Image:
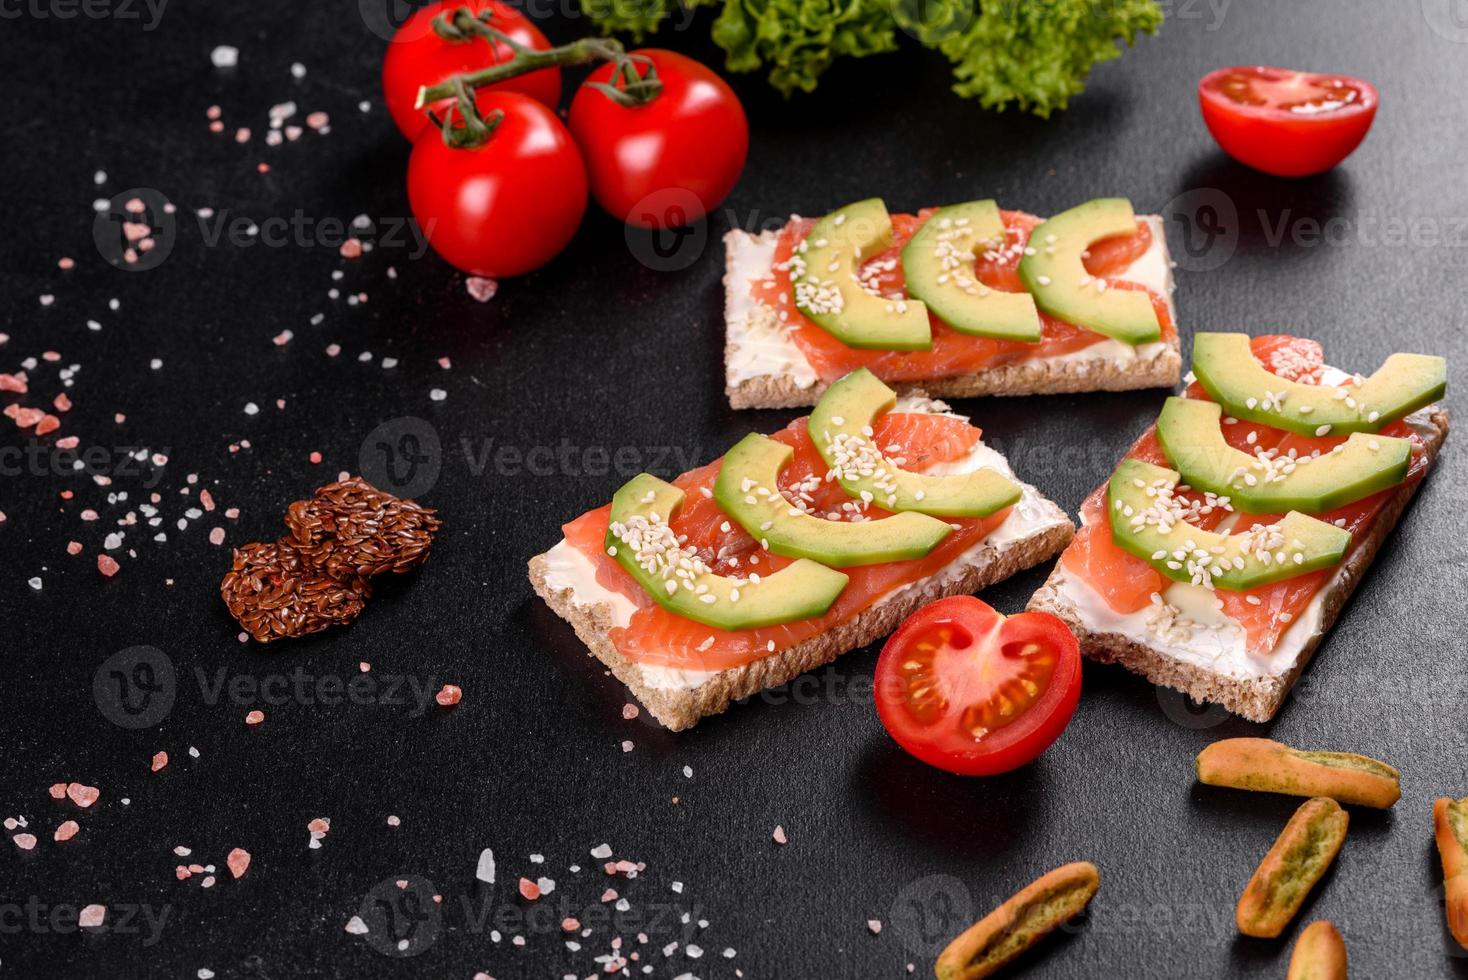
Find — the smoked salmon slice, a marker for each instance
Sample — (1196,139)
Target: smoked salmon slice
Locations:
(952,353)
(656,637)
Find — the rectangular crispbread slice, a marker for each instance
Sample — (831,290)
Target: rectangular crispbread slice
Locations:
(1258,697)
(1041,532)
(764,369)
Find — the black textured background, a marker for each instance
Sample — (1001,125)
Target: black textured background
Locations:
(600,352)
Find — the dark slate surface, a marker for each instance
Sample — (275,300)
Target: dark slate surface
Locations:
(600,353)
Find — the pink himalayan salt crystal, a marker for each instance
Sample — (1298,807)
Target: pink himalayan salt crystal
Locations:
(255,717)
(57,791)
(779,835)
(206,500)
(25,841)
(92,916)
(481,288)
(68,442)
(238,861)
(629,711)
(216,536)
(82,796)
(351,249)
(67,830)
(107,565)
(160,759)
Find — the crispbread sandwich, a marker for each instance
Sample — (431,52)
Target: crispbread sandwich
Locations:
(959,301)
(1226,544)
(792,549)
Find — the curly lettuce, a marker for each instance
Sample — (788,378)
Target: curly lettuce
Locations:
(1030,54)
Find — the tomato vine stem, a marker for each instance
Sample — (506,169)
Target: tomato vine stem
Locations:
(638,79)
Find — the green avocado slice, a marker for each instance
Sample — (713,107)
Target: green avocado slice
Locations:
(1227,369)
(747,489)
(1190,431)
(823,279)
(1056,275)
(938,265)
(1147,521)
(841,428)
(639,538)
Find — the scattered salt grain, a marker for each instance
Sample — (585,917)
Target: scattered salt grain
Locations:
(480,288)
(91,916)
(437,394)
(485,871)
(779,835)
(356,926)
(224,56)
(160,759)
(238,861)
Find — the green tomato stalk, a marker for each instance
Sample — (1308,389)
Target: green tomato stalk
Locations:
(634,78)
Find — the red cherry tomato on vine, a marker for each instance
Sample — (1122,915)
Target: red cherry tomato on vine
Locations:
(1286,123)
(670,161)
(417,55)
(507,206)
(968,690)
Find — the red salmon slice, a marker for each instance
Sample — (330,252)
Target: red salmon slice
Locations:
(952,353)
(656,637)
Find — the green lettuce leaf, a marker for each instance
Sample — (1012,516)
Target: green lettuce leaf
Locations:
(1032,54)
(1036,54)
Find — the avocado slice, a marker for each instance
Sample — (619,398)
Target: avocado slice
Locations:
(1227,369)
(841,428)
(1191,434)
(1146,521)
(639,538)
(1054,274)
(747,489)
(823,278)
(938,264)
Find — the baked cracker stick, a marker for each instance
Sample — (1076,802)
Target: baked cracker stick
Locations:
(1034,911)
(1450,824)
(1299,857)
(1320,954)
(1271,767)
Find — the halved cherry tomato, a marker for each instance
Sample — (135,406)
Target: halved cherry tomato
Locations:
(1283,122)
(508,206)
(417,55)
(966,689)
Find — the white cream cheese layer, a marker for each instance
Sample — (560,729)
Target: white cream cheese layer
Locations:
(760,345)
(1032,515)
(1187,625)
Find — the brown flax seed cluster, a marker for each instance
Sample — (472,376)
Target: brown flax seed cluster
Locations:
(317,574)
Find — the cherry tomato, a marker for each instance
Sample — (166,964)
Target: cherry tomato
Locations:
(508,206)
(1286,123)
(966,689)
(417,55)
(670,161)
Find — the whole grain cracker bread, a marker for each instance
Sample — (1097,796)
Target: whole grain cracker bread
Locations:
(678,709)
(1076,373)
(1257,699)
